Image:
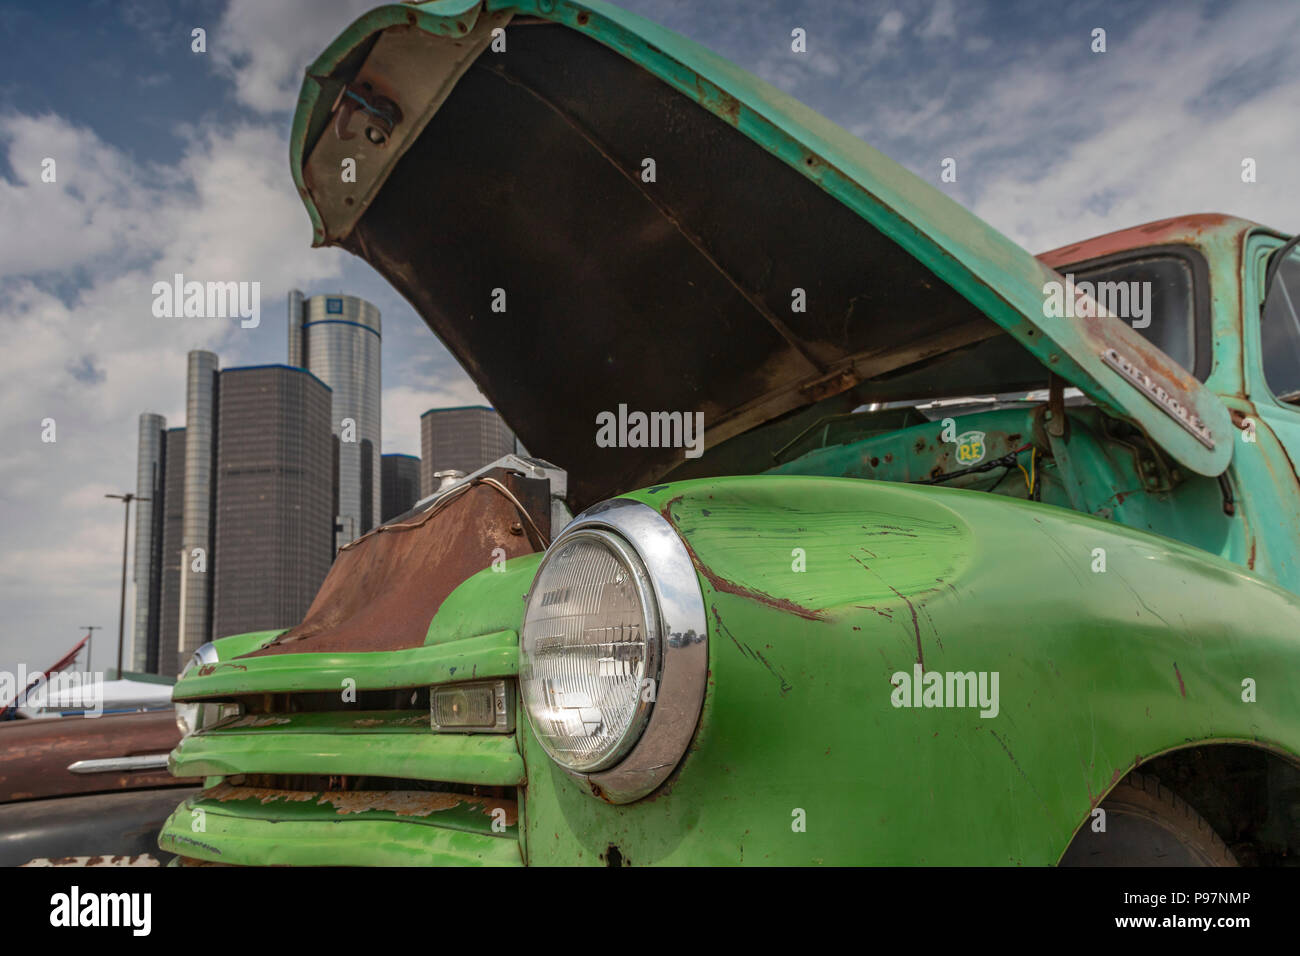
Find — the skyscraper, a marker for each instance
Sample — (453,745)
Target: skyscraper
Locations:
(147,567)
(461,439)
(163,658)
(272,541)
(196,523)
(401,484)
(337,339)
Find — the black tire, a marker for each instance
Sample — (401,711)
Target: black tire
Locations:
(1148,825)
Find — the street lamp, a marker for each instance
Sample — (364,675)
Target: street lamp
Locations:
(126,499)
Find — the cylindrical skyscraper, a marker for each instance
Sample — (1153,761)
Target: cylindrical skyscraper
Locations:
(295,328)
(172,518)
(340,346)
(147,568)
(196,529)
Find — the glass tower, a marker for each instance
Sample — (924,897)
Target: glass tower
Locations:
(337,339)
(147,567)
(196,523)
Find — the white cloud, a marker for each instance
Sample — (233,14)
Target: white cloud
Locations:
(226,210)
(97,208)
(1158,130)
(404,404)
(264,47)
(891,24)
(942,23)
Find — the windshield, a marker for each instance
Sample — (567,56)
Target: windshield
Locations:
(1154,295)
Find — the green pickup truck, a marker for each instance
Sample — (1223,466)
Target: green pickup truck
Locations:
(894,543)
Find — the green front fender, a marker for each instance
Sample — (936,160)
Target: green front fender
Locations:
(1110,646)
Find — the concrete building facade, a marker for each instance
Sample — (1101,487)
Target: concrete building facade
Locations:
(462,439)
(401,484)
(272,541)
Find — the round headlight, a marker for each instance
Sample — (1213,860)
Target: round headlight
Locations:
(590,650)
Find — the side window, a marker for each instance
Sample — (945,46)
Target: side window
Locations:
(1279,331)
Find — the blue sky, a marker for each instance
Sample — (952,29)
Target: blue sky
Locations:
(173,161)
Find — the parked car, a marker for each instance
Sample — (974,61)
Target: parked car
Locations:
(976,561)
(87,791)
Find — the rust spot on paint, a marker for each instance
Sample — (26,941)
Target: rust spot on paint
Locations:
(1182,688)
(403,803)
(267,721)
(887,615)
(916,625)
(225,792)
(719,583)
(1181,228)
(750,652)
(207,669)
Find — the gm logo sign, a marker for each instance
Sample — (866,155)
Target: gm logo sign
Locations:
(333,306)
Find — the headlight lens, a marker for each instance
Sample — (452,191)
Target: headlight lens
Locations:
(590,653)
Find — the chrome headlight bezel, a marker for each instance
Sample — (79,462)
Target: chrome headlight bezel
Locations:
(677,657)
(190,714)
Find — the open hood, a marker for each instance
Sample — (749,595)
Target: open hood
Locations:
(592,212)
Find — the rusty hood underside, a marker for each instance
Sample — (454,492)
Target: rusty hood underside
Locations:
(605,215)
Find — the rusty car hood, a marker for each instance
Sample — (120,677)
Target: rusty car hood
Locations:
(598,213)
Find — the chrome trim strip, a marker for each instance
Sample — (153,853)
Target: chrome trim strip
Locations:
(1152,389)
(120,764)
(206,654)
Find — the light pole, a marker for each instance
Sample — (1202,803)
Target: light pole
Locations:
(126,499)
(90,629)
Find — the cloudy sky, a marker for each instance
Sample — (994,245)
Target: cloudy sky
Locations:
(169,161)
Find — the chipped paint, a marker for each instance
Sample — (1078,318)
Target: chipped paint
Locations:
(401,803)
(224,792)
(404,803)
(720,583)
(142,859)
(258,721)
